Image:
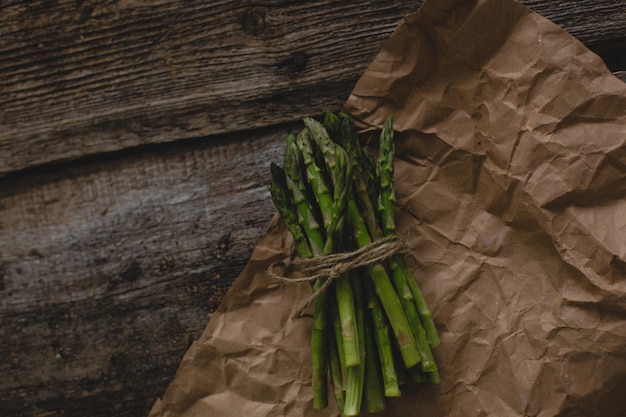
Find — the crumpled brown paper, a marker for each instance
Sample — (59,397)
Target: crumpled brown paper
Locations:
(510,176)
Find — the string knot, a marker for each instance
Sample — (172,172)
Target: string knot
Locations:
(326,269)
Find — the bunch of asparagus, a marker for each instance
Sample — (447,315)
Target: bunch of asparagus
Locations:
(372,329)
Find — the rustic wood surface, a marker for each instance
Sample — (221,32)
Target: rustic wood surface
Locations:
(135,139)
(82,77)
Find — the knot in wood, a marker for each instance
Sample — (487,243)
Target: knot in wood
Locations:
(253,22)
(299,61)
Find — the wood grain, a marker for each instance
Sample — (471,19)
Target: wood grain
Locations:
(597,24)
(85,77)
(110,75)
(109,268)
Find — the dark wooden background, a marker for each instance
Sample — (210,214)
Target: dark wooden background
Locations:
(135,139)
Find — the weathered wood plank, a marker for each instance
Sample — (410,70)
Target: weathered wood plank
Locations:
(598,24)
(109,267)
(82,78)
(110,75)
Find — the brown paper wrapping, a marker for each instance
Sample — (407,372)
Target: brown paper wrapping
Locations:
(511,195)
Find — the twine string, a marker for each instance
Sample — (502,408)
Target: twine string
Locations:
(330,267)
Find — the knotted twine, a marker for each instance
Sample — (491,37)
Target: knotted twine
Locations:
(330,267)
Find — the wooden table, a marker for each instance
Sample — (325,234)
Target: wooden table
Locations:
(135,139)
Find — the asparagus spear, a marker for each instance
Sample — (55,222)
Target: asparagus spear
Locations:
(297,187)
(286,208)
(365,163)
(362,167)
(383,344)
(374,387)
(294,163)
(314,177)
(337,373)
(356,374)
(333,211)
(401,278)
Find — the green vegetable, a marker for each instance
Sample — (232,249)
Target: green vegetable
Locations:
(371,325)
(401,276)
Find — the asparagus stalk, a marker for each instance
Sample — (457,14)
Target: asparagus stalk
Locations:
(286,208)
(319,357)
(336,369)
(401,278)
(294,163)
(425,314)
(365,163)
(297,187)
(336,322)
(374,387)
(383,344)
(315,177)
(362,166)
(347,318)
(333,211)
(356,374)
